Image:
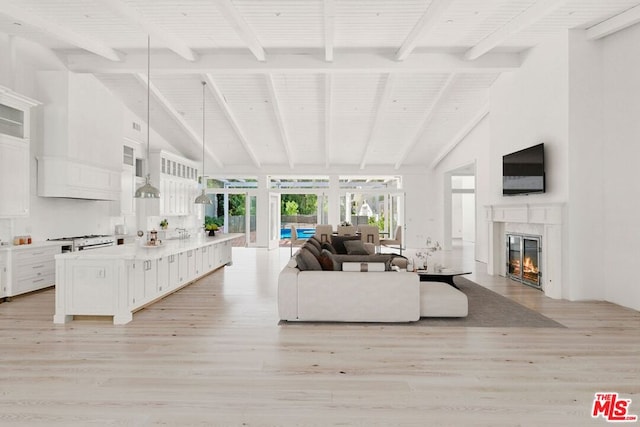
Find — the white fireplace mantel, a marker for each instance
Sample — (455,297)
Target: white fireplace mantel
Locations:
(544,219)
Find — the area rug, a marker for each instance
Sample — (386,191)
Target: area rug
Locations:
(492,310)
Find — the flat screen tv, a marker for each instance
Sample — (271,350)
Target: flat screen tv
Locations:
(523,171)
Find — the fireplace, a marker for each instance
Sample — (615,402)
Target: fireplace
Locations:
(523,259)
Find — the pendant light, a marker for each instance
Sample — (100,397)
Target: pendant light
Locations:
(148,191)
(203,199)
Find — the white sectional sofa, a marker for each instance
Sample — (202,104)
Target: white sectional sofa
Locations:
(345,296)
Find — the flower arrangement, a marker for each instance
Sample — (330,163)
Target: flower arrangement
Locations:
(164,224)
(423,254)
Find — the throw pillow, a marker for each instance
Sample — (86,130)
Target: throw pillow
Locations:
(338,243)
(327,262)
(307,261)
(355,247)
(315,242)
(328,246)
(315,251)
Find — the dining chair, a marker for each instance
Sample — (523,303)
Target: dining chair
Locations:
(324,232)
(346,230)
(396,242)
(294,240)
(370,236)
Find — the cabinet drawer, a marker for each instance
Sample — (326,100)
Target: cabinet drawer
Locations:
(35,269)
(31,284)
(35,255)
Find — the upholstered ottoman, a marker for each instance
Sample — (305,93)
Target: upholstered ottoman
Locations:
(439,299)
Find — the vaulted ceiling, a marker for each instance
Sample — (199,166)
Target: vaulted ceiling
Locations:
(292,85)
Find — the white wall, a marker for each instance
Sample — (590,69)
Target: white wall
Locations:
(473,149)
(581,99)
(621,151)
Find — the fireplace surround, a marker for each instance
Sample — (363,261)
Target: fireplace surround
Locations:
(541,220)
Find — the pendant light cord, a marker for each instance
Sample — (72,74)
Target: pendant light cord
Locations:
(203,118)
(148,98)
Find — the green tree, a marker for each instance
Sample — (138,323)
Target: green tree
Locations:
(307,203)
(236,204)
(290,208)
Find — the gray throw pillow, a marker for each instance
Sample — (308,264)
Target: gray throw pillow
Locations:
(329,247)
(315,242)
(315,251)
(355,247)
(338,243)
(307,261)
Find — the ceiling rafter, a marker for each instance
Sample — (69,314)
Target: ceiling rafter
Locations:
(533,14)
(356,62)
(329,29)
(426,23)
(385,96)
(448,84)
(59,32)
(246,33)
(137,18)
(166,104)
(612,25)
(231,118)
(279,118)
(457,139)
(328,123)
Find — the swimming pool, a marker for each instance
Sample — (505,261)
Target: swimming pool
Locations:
(303,233)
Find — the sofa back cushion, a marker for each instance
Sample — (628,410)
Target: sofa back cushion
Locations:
(307,261)
(338,243)
(328,246)
(315,242)
(311,248)
(327,261)
(355,247)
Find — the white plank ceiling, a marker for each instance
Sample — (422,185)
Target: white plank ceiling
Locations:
(306,85)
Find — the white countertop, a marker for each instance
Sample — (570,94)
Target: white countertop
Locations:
(34,245)
(134,251)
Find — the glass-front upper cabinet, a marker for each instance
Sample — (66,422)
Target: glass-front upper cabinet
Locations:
(11,121)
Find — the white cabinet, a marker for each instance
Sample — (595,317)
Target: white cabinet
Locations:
(119,280)
(30,268)
(177,181)
(80,116)
(14,177)
(3,274)
(15,113)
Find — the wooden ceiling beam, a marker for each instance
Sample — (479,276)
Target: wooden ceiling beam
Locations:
(425,24)
(533,14)
(612,25)
(244,31)
(277,111)
(328,121)
(59,32)
(448,84)
(231,118)
(354,62)
(155,32)
(385,96)
(329,29)
(173,112)
(477,118)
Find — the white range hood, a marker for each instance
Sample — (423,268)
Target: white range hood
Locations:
(60,177)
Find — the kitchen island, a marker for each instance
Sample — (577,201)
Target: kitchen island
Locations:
(119,280)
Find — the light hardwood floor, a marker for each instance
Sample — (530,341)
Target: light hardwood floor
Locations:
(214,354)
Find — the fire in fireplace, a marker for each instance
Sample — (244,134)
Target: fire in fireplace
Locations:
(523,259)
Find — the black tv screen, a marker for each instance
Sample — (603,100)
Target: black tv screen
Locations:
(523,171)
